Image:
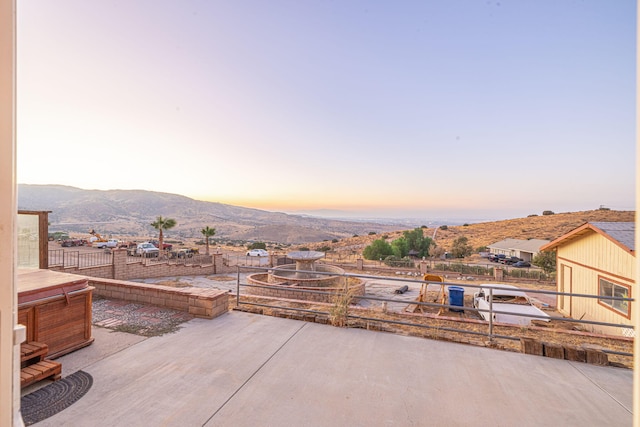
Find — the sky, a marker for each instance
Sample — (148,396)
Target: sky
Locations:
(419,109)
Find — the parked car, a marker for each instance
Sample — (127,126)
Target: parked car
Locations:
(72,242)
(522,264)
(147,250)
(185,252)
(496,257)
(510,260)
(257,252)
(515,306)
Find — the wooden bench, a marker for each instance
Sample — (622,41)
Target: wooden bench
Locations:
(34,366)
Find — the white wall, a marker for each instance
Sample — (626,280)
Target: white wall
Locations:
(9,353)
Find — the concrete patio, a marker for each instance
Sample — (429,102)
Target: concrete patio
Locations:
(243,369)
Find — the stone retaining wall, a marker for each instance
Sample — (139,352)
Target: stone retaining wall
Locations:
(287,291)
(205,303)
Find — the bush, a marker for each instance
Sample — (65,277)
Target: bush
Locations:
(324,249)
(394,261)
(461,248)
(256,245)
(444,227)
(334,241)
(372,233)
(546,261)
(548,213)
(377,249)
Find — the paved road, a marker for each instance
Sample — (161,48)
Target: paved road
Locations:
(243,369)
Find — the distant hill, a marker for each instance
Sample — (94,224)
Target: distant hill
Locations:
(122,213)
(546,227)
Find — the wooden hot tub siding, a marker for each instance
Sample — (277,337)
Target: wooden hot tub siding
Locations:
(59,316)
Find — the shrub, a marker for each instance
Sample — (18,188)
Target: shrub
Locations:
(372,233)
(394,261)
(548,213)
(444,227)
(461,248)
(334,241)
(546,261)
(377,249)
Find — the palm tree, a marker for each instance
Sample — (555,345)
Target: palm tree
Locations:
(208,232)
(162,224)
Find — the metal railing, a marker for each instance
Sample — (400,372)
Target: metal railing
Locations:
(62,258)
(490,333)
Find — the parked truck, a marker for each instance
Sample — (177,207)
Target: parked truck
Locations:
(111,243)
(145,250)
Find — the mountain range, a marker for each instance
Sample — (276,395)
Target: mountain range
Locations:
(123,213)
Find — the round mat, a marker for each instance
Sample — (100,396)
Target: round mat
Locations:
(53,398)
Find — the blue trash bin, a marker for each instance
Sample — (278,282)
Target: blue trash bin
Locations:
(456,297)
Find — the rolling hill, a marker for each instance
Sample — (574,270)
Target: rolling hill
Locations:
(123,213)
(547,227)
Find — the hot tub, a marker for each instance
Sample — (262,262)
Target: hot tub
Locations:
(56,309)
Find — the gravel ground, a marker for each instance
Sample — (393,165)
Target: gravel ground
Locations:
(139,319)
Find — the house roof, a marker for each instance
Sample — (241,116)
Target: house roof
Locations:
(531,245)
(621,233)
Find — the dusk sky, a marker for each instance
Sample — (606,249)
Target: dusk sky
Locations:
(422,109)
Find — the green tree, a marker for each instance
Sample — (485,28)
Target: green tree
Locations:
(546,261)
(377,249)
(400,247)
(207,232)
(162,224)
(417,242)
(461,247)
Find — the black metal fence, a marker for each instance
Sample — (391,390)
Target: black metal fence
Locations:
(62,258)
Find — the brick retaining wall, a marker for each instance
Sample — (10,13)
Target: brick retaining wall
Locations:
(121,269)
(205,303)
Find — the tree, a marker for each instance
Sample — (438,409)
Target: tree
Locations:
(400,247)
(377,249)
(461,247)
(546,261)
(162,224)
(417,242)
(207,232)
(412,241)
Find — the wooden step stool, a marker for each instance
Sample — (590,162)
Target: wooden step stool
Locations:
(34,366)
